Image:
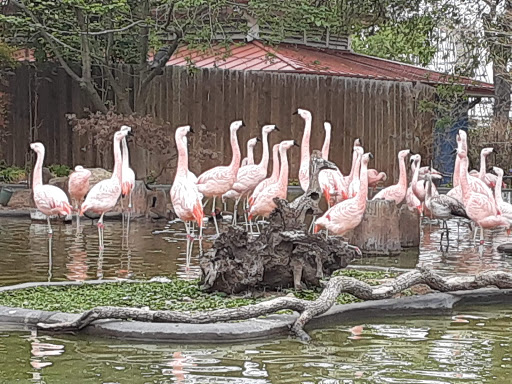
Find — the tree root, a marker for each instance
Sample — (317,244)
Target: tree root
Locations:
(307,309)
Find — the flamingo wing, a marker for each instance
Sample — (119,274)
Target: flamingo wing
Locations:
(186,200)
(248,178)
(50,199)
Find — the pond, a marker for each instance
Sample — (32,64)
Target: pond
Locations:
(471,346)
(156,249)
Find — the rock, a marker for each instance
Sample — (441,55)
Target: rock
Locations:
(98,174)
(409,223)
(47,175)
(379,231)
(61,182)
(157,203)
(21,198)
(504,248)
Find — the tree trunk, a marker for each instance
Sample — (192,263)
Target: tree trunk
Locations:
(93,96)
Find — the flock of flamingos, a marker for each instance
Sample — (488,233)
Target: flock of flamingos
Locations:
(475,195)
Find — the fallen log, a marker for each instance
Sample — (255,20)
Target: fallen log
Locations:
(307,309)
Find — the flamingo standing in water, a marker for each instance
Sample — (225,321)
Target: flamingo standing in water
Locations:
(185,196)
(348,214)
(49,199)
(479,207)
(250,176)
(398,191)
(104,195)
(305,154)
(503,206)
(127,174)
(78,186)
(270,180)
(264,203)
(330,180)
(249,160)
(217,181)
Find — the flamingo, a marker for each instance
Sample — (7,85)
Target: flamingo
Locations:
(348,214)
(479,207)
(104,195)
(375,177)
(78,186)
(347,180)
(49,199)
(488,178)
(250,176)
(398,191)
(330,180)
(264,203)
(185,196)
(304,150)
(442,207)
(127,174)
(270,180)
(419,186)
(504,207)
(354,185)
(217,181)
(249,160)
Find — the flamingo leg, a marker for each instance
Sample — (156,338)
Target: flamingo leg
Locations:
(481,236)
(77,219)
(50,258)
(50,231)
(312,225)
(215,216)
(235,211)
(100,231)
(122,212)
(187,257)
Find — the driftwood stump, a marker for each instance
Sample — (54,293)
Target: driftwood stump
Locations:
(409,225)
(285,254)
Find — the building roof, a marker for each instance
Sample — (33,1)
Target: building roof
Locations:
(256,56)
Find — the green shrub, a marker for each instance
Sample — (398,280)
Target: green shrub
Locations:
(59,170)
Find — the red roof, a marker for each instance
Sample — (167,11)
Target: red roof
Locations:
(255,56)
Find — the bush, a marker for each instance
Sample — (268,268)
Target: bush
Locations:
(59,170)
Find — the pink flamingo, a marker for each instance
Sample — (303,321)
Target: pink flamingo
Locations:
(348,214)
(330,180)
(398,191)
(479,207)
(264,203)
(270,180)
(488,178)
(185,196)
(217,181)
(375,177)
(250,176)
(104,195)
(127,174)
(78,186)
(347,180)
(49,199)
(249,160)
(353,188)
(503,206)
(304,150)
(419,187)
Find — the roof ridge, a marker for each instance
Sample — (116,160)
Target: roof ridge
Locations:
(280,56)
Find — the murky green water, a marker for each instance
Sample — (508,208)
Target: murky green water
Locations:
(472,346)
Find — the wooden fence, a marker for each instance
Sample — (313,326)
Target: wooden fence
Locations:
(386,116)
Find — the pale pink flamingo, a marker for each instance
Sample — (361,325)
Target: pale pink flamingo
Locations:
(398,191)
(185,196)
(49,199)
(353,188)
(503,206)
(348,214)
(127,174)
(250,176)
(479,207)
(375,177)
(270,180)
(347,180)
(412,201)
(78,186)
(104,195)
(488,178)
(330,180)
(249,160)
(217,181)
(264,203)
(305,154)
(419,187)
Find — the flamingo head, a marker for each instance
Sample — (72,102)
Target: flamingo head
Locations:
(462,153)
(404,153)
(120,135)
(357,142)
(498,171)
(252,142)
(287,144)
(366,158)
(269,128)
(486,151)
(416,159)
(83,171)
(37,148)
(383,176)
(463,136)
(321,222)
(359,151)
(125,128)
(236,125)
(327,126)
(304,113)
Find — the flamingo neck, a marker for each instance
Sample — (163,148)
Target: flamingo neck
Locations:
(235,148)
(456,172)
(362,194)
(402,179)
(265,156)
(428,194)
(481,174)
(415,175)
(250,154)
(283,175)
(497,190)
(327,144)
(182,168)
(304,149)
(118,163)
(125,155)
(464,185)
(275,165)
(354,161)
(37,175)
(357,169)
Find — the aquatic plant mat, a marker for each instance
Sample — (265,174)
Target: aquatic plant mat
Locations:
(307,309)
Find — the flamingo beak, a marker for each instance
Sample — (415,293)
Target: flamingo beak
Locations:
(316,229)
